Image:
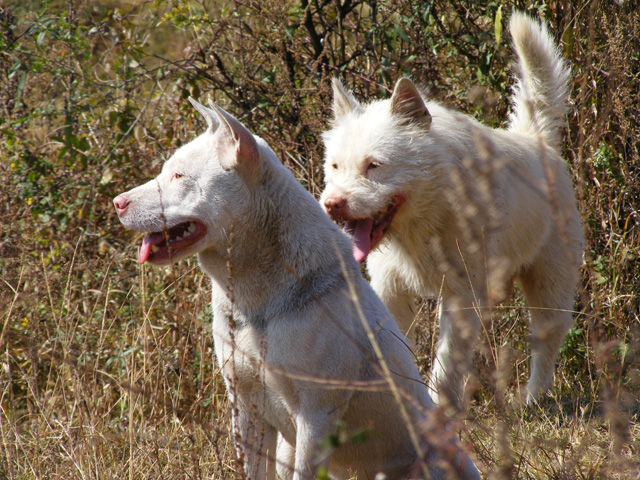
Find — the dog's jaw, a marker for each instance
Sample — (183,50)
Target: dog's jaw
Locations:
(172,244)
(368,232)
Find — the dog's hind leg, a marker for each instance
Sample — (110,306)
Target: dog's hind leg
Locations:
(549,286)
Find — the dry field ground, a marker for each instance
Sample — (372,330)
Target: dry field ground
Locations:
(106,366)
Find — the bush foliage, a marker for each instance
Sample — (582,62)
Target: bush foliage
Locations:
(107,366)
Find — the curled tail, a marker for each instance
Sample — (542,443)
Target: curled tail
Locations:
(541,91)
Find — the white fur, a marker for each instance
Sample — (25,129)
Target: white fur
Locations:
(482,207)
(292,315)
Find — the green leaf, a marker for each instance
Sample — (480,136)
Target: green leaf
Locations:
(402,35)
(497,25)
(470,39)
(40,38)
(14,68)
(290,30)
(567,41)
(21,84)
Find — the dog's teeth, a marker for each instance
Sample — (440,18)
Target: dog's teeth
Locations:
(192,227)
(155,248)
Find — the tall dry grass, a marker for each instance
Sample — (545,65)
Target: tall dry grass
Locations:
(107,366)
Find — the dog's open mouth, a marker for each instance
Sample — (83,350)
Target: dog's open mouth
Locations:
(160,247)
(367,232)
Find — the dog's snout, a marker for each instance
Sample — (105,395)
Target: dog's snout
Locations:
(335,206)
(121,202)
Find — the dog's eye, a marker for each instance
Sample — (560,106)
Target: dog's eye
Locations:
(176,175)
(334,166)
(372,165)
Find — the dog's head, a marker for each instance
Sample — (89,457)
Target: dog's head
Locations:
(370,159)
(200,191)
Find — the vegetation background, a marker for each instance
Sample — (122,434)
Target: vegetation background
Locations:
(107,366)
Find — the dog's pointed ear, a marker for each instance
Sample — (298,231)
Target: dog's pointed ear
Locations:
(343,101)
(407,102)
(209,115)
(237,148)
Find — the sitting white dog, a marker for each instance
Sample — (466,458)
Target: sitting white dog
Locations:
(442,205)
(304,344)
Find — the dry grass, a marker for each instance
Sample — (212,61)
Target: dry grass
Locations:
(107,366)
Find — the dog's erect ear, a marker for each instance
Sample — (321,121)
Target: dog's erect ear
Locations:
(343,102)
(237,148)
(407,102)
(209,115)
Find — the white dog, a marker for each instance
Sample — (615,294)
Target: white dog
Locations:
(306,348)
(442,205)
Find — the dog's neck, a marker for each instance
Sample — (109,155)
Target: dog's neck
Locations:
(273,250)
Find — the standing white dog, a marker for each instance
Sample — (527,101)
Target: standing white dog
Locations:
(306,348)
(442,205)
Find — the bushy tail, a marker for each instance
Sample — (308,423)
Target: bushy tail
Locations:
(541,92)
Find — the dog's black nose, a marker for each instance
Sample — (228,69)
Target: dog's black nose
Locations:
(121,202)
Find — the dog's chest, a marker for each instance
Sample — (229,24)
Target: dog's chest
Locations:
(252,372)
(411,261)
(239,348)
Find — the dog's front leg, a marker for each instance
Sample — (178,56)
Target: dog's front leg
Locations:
(311,429)
(460,324)
(399,300)
(285,458)
(255,441)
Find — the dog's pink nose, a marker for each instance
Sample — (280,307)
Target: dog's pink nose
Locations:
(335,206)
(121,202)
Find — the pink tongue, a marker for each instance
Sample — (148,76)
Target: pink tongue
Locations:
(362,239)
(147,242)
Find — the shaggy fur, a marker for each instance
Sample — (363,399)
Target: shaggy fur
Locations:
(442,205)
(303,342)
